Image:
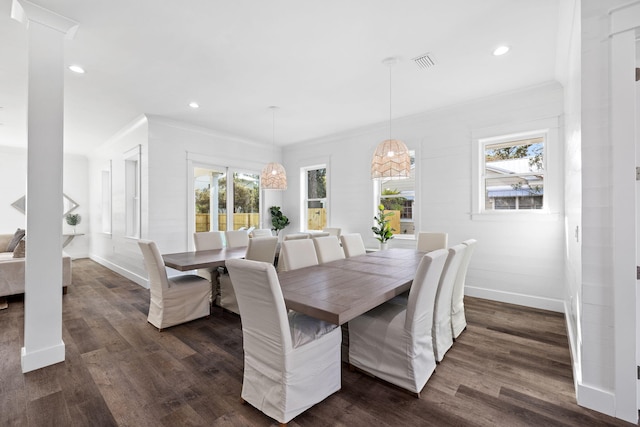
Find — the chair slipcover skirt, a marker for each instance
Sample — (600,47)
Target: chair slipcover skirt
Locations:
(187,298)
(393,341)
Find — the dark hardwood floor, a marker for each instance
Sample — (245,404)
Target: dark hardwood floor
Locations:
(511,367)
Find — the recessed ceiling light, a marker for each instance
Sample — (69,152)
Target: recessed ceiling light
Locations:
(500,50)
(194,105)
(76,69)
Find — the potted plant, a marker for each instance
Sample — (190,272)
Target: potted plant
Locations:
(278,219)
(383,230)
(73,220)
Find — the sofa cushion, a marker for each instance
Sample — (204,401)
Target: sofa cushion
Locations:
(20,249)
(19,234)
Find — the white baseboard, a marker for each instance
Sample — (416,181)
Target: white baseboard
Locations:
(596,399)
(515,298)
(134,277)
(33,360)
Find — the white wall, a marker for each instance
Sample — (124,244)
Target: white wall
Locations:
(13,184)
(115,250)
(168,148)
(519,261)
(570,76)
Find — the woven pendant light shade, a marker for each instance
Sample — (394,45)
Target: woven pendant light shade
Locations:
(391,160)
(273,177)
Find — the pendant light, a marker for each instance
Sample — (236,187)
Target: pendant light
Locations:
(391,159)
(273,176)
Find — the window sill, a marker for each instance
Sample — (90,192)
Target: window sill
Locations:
(402,236)
(516,216)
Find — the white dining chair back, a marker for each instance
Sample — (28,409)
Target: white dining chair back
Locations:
(173,300)
(236,238)
(295,236)
(352,244)
(319,234)
(205,241)
(442,335)
(333,231)
(208,240)
(428,242)
(261,249)
(261,232)
(291,361)
(393,341)
(458,318)
(328,249)
(297,254)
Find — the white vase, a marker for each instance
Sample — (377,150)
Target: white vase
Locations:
(383,246)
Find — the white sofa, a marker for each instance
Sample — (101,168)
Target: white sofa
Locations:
(12,270)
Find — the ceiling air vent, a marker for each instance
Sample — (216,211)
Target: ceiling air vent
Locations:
(424,61)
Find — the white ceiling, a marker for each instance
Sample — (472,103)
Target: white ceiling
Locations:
(319,61)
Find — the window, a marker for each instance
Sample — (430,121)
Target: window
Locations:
(246,200)
(211,188)
(398,196)
(132,192)
(513,173)
(315,196)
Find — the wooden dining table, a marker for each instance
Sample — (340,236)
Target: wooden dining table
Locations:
(339,291)
(185,261)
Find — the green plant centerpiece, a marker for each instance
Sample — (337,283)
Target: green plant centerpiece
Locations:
(278,219)
(383,230)
(73,220)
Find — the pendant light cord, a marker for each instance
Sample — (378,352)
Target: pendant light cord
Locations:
(390,66)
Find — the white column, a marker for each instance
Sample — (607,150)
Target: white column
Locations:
(43,345)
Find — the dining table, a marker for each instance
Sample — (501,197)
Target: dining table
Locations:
(341,290)
(209,259)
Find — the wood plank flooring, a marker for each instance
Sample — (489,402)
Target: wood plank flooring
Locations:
(511,367)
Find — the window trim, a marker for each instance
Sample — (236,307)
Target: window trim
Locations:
(304,193)
(548,128)
(133,193)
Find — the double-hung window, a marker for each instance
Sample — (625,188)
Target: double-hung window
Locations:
(314,180)
(516,170)
(514,173)
(398,196)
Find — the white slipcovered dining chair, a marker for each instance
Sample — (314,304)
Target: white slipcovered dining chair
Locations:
(206,241)
(328,249)
(261,232)
(236,238)
(352,244)
(458,319)
(291,361)
(260,249)
(428,242)
(333,231)
(296,254)
(442,336)
(393,342)
(173,300)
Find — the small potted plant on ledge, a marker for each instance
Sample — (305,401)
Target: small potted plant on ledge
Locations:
(383,230)
(278,219)
(73,220)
